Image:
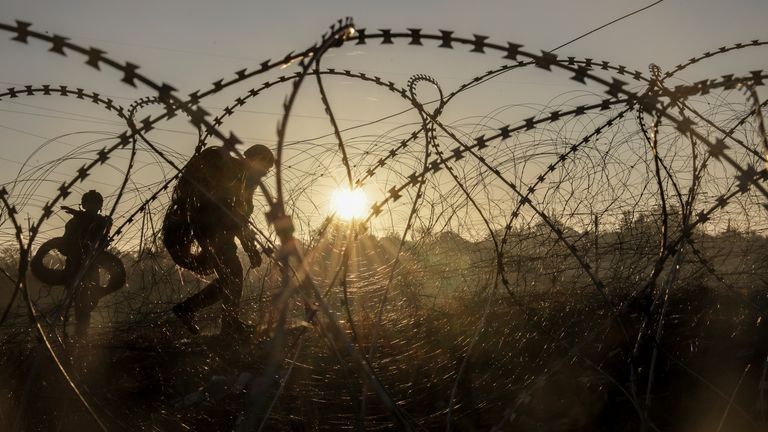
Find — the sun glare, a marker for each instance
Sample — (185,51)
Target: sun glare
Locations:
(349,204)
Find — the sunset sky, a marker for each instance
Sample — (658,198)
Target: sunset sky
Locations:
(191,44)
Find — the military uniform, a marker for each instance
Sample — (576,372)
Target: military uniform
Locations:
(83,235)
(218,193)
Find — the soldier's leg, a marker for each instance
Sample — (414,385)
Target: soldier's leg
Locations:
(77,287)
(227,287)
(212,292)
(208,296)
(230,273)
(83,309)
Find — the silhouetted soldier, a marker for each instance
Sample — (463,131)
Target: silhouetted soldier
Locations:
(214,197)
(85,236)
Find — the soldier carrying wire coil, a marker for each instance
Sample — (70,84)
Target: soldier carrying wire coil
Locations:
(83,246)
(211,205)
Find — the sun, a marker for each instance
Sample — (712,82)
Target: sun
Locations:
(349,204)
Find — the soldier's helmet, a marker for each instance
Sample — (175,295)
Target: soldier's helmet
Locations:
(92,201)
(260,158)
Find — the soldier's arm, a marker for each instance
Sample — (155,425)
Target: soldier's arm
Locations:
(106,228)
(248,239)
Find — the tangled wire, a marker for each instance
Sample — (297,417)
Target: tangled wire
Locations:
(578,264)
